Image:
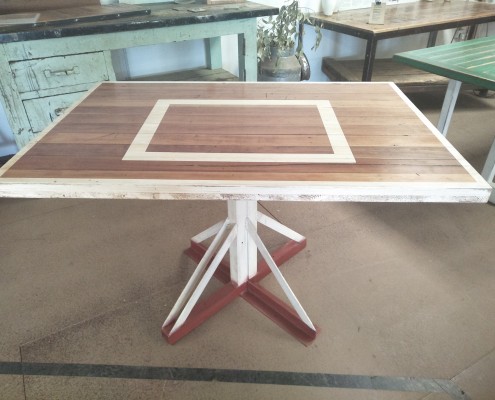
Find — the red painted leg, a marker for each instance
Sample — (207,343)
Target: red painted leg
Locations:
(279,312)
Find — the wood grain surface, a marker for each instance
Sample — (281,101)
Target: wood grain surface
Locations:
(399,155)
(234,130)
(436,15)
(15,6)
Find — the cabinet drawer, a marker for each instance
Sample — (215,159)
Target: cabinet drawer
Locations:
(55,72)
(41,112)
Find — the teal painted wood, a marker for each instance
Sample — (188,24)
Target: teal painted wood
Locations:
(472,61)
(42,70)
(213,53)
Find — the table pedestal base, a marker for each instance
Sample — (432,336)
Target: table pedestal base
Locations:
(188,313)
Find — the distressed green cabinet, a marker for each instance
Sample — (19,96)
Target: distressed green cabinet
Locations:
(40,79)
(48,86)
(43,110)
(44,70)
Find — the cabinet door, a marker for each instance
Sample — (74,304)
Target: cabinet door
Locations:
(57,72)
(41,112)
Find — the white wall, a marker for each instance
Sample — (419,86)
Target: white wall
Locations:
(150,60)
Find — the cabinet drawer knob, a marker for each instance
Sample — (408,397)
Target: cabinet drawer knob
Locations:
(62,72)
(59,111)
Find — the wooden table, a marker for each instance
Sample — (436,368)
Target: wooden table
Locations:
(47,67)
(471,62)
(403,20)
(240,143)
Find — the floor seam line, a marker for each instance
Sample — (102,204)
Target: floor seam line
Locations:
(283,378)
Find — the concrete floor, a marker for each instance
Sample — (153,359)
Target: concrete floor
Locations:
(404,295)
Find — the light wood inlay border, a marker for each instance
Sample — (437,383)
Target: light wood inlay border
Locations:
(138,150)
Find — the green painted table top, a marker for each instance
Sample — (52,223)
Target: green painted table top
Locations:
(472,61)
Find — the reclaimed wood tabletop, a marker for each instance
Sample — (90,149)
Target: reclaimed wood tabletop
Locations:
(409,18)
(251,141)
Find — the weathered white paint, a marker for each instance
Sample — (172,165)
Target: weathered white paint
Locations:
(208,233)
(243,255)
(278,276)
(280,228)
(242,242)
(199,289)
(198,272)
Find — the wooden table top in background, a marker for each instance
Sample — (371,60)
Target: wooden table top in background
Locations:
(148,16)
(472,61)
(176,141)
(410,18)
(400,20)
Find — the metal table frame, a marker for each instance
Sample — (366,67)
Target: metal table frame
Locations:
(404,20)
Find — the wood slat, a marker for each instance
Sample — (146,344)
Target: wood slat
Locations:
(471,62)
(335,177)
(385,70)
(388,138)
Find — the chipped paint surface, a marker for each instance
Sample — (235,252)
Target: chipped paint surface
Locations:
(93,41)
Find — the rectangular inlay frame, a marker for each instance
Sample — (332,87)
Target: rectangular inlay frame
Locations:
(341,150)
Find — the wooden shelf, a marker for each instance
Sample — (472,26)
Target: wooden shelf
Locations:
(4,159)
(385,70)
(199,74)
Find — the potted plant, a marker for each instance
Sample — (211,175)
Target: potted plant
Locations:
(278,57)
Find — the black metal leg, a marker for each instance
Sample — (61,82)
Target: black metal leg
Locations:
(369,59)
(432,39)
